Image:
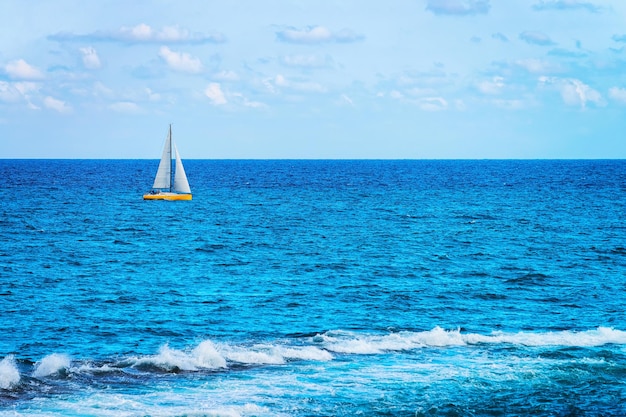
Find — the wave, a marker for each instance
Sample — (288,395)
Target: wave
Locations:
(51,364)
(9,374)
(212,356)
(204,356)
(354,343)
(275,354)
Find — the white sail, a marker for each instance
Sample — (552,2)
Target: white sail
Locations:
(165,187)
(181,185)
(163,177)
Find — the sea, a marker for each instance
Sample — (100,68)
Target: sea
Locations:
(314,288)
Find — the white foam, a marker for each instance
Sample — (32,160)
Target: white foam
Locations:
(441,337)
(9,374)
(51,364)
(346,342)
(208,356)
(263,354)
(204,356)
(352,343)
(214,356)
(256,355)
(590,338)
(88,367)
(309,353)
(162,403)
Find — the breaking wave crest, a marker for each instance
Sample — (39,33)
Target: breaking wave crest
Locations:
(51,364)
(204,356)
(353,343)
(9,374)
(210,356)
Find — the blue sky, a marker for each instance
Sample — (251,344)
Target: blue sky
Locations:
(313,79)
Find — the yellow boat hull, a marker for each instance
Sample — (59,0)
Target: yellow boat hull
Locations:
(167,196)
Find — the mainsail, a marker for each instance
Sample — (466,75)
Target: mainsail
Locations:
(163,177)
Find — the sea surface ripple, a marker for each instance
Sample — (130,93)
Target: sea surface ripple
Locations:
(326,287)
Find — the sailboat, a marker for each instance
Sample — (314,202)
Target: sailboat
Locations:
(170,184)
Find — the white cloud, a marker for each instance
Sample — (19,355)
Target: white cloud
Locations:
(226,76)
(574,92)
(281,81)
(125,107)
(307,61)
(432,104)
(267,83)
(458,7)
(152,96)
(310,35)
(535,66)
(618,94)
(172,34)
(317,34)
(21,70)
(512,104)
(460,105)
(253,104)
(101,90)
(215,94)
(91,60)
(423,103)
(15,92)
(142,33)
(421,92)
(491,87)
(433,78)
(180,61)
(302,86)
(26,87)
(57,105)
(240,99)
(8,92)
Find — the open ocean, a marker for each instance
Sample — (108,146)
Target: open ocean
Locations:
(314,288)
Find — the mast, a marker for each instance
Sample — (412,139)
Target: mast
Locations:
(171,168)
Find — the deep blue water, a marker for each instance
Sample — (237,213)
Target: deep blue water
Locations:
(306,288)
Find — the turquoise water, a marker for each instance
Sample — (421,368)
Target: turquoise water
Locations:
(302,288)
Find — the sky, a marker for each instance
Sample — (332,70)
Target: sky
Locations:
(340,79)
